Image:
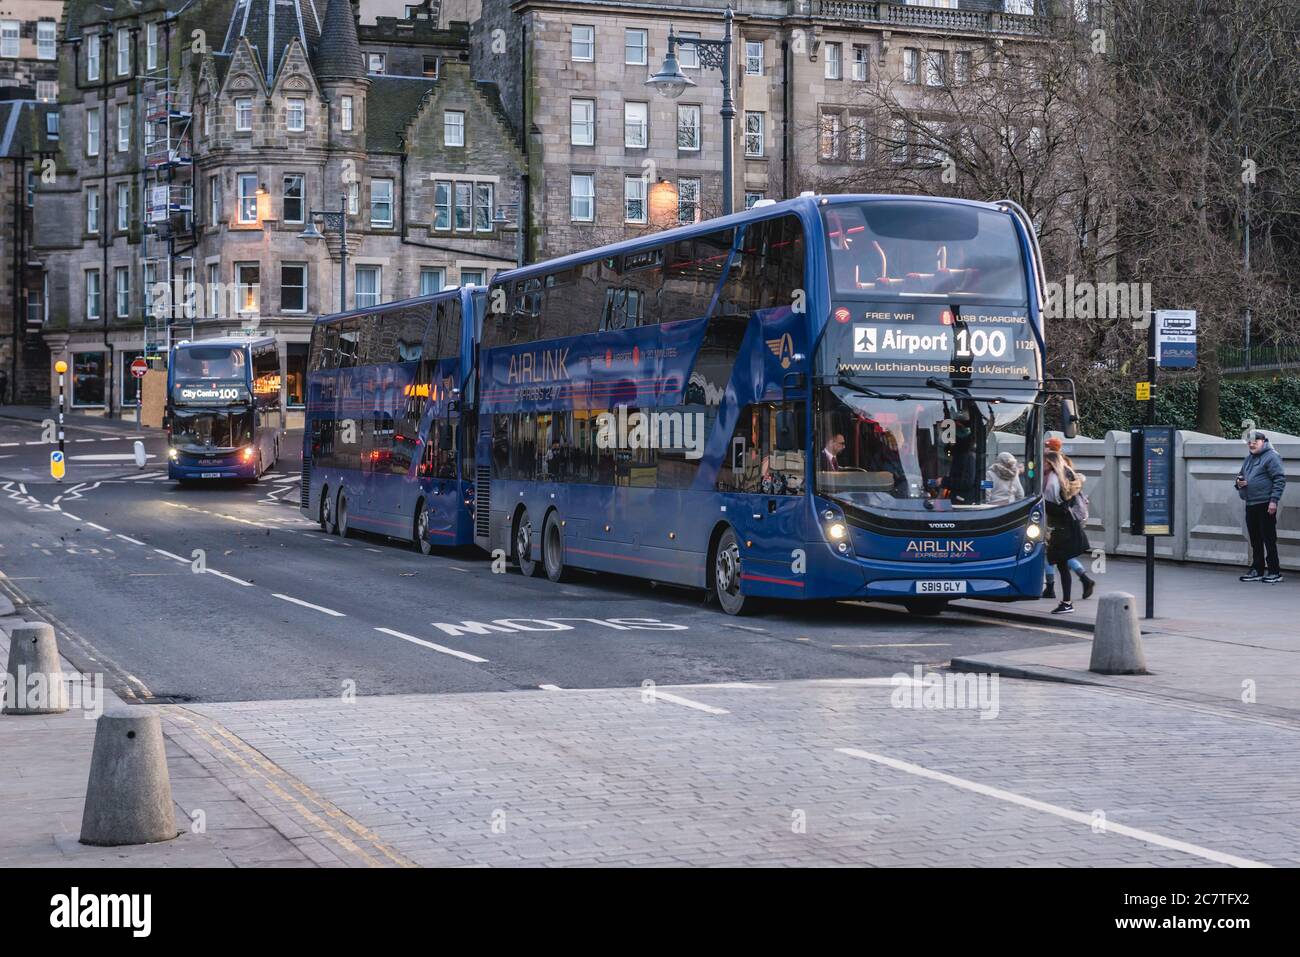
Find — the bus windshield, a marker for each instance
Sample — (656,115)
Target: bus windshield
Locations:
(911,248)
(201,363)
(201,430)
(904,453)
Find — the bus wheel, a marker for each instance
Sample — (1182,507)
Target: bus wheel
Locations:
(926,607)
(422,528)
(553,548)
(726,574)
(341,516)
(326,511)
(528,565)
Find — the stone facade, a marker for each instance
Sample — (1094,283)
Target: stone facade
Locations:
(267,136)
(28,47)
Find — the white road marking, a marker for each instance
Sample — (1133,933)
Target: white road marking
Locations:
(739,685)
(100,527)
(687,702)
(106,457)
(171,556)
(1078,817)
(378,551)
(430,645)
(550,687)
(307,604)
(230,578)
(71,516)
(89,440)
(127,538)
(9,445)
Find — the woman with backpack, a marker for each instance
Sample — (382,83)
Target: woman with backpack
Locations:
(1066,539)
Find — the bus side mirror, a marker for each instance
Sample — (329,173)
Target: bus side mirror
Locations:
(1069,419)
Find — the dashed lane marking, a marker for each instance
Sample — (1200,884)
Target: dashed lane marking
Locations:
(229,578)
(307,604)
(433,647)
(128,538)
(1078,817)
(171,556)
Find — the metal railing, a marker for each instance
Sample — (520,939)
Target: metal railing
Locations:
(1262,358)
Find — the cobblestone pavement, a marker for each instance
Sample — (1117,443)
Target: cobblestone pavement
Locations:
(806,773)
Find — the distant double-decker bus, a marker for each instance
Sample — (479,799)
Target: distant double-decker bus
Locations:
(224,415)
(382,441)
(804,400)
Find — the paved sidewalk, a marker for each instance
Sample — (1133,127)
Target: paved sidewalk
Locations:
(38,413)
(1214,639)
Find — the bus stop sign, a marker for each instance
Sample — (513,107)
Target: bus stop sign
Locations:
(56,464)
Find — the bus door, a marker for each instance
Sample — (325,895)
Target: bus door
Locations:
(439,466)
(767,464)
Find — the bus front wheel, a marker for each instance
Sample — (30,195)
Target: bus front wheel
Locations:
(422,528)
(726,575)
(528,565)
(553,548)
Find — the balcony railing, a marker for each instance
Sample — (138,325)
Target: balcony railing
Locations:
(933,18)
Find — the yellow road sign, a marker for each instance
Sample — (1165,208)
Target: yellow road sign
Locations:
(56,464)
(1144,391)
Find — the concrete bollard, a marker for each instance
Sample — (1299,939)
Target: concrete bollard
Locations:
(35,682)
(1116,639)
(129,794)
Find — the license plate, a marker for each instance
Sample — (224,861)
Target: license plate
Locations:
(941,587)
(209,475)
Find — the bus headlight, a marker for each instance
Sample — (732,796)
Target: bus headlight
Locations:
(836,531)
(171,454)
(1034,532)
(248,453)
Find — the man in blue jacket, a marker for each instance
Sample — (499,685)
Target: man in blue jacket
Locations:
(1260,484)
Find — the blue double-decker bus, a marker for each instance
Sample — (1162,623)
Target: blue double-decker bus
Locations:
(382,438)
(804,400)
(224,415)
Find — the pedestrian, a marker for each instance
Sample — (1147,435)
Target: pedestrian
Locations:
(1004,476)
(1066,538)
(1260,484)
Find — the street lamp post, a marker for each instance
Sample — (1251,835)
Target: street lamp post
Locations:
(671,82)
(337,221)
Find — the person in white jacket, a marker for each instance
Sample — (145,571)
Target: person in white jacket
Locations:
(1005,476)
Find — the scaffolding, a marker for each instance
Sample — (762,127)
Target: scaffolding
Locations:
(167,221)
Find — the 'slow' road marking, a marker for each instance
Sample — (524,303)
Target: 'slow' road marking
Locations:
(307,604)
(432,647)
(1078,817)
(687,702)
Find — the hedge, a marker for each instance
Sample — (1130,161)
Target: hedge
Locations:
(1273,404)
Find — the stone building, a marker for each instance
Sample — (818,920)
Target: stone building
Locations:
(597,139)
(29,46)
(227,154)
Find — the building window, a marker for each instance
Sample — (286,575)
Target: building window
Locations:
(471,277)
(9,35)
(483,207)
(910,67)
(123,51)
(92,294)
(636,44)
(582,122)
(52,125)
(432,279)
(861,62)
(453,128)
(214,201)
(293,198)
(216,308)
(243,114)
(31,187)
(345,113)
(934,67)
(381,202)
(442,204)
(248,197)
(582,43)
(295,114)
(464,207)
(832,127)
(375,62)
(754,57)
(92,56)
(295,374)
(293,287)
(122,291)
(582,197)
(354,198)
(751,198)
(47,91)
(92,131)
(636,121)
(88,372)
(688,54)
(688,200)
(634,199)
(961,67)
(151,46)
(207,119)
(898,141)
(123,128)
(753,133)
(46,44)
(248,282)
(1024,8)
(123,207)
(430,67)
(367,286)
(688,127)
(92,209)
(858,139)
(834,61)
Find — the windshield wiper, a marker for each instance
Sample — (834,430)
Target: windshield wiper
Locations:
(848,383)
